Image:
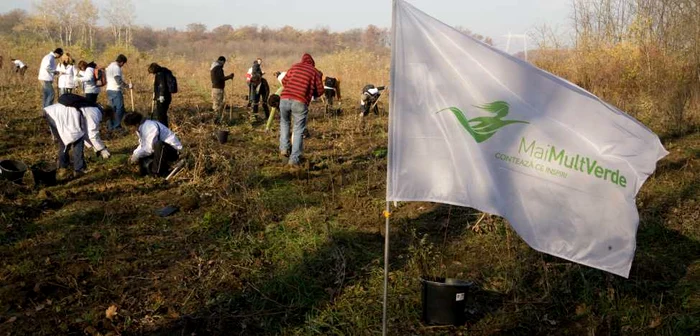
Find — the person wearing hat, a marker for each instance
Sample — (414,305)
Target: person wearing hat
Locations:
(47,71)
(218,83)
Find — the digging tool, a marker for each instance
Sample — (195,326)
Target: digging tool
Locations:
(153,103)
(374,105)
(176,169)
(131,92)
(271,118)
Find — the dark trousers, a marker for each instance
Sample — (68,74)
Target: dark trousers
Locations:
(330,94)
(161,112)
(159,163)
(91,97)
(64,158)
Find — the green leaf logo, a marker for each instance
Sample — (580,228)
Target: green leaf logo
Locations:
(483,128)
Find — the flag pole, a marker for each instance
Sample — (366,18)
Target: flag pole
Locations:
(387,212)
(387,215)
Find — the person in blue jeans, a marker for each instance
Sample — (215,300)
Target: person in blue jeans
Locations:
(299,111)
(301,83)
(115,86)
(47,71)
(116,101)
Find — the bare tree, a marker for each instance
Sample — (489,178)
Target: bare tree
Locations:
(121,16)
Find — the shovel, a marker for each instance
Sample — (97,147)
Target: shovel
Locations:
(271,118)
(131,92)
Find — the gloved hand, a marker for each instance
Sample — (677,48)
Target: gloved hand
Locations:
(130,86)
(105,154)
(161,99)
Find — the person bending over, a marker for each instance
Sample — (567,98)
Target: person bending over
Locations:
(74,122)
(159,148)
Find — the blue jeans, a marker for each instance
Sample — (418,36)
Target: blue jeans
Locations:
(63,149)
(299,111)
(116,100)
(48,93)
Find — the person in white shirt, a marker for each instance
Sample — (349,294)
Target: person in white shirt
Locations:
(66,75)
(115,84)
(86,76)
(75,122)
(20,67)
(158,146)
(47,70)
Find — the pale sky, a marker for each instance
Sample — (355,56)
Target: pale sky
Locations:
(493,18)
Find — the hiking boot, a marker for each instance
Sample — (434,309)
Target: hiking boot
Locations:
(284,154)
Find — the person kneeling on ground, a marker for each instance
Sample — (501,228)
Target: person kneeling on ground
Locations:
(75,121)
(158,146)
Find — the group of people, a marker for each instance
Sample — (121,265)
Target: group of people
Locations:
(301,84)
(75,120)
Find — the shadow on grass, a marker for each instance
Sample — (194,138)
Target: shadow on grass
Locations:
(283,300)
(286,299)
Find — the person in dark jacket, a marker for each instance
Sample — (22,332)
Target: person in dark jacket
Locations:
(261,93)
(161,92)
(255,70)
(218,82)
(301,83)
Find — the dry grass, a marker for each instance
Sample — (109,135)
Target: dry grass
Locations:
(258,248)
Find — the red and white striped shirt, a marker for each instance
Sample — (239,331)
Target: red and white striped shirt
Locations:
(302,81)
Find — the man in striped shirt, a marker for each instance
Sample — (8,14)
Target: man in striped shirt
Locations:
(301,83)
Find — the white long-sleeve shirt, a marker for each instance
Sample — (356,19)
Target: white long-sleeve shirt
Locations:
(149,132)
(47,68)
(66,78)
(112,72)
(92,116)
(87,78)
(73,124)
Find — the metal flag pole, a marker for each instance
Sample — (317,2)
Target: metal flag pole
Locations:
(387,212)
(387,215)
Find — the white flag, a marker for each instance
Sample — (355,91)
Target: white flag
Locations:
(473,126)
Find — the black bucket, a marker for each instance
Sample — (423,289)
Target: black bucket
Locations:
(222,136)
(12,170)
(44,174)
(444,301)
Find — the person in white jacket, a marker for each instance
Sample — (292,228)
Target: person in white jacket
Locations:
(158,146)
(47,70)
(115,84)
(74,127)
(20,67)
(66,75)
(86,76)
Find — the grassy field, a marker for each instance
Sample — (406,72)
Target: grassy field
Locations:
(261,249)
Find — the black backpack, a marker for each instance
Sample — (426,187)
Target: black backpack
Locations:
(76,101)
(171,81)
(330,82)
